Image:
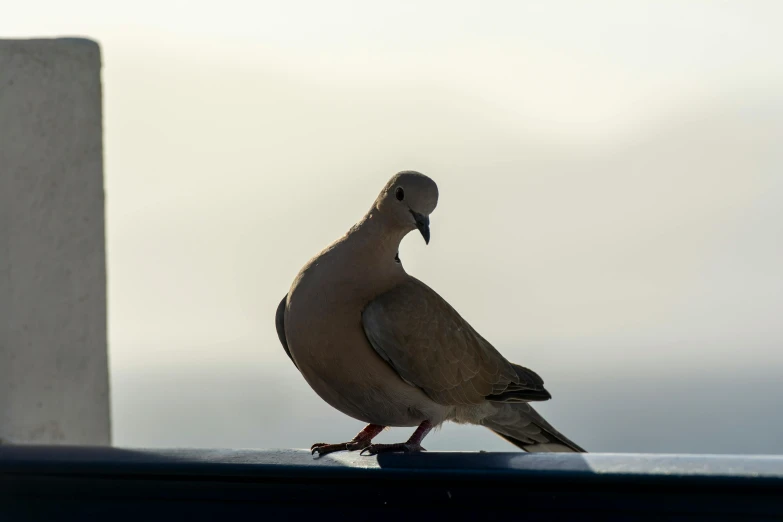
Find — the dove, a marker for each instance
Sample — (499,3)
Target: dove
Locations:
(382,347)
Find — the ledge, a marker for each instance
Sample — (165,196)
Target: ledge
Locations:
(81,483)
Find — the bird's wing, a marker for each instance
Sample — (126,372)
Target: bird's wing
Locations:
(430,346)
(280,326)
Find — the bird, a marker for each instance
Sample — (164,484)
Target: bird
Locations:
(382,347)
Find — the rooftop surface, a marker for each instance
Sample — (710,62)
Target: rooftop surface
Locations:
(87,483)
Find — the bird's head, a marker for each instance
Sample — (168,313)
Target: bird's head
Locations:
(407,201)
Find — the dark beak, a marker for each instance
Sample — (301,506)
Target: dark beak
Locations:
(423,224)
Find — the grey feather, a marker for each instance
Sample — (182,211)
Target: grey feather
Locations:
(525,428)
(432,347)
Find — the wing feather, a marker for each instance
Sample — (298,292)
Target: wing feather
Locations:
(431,346)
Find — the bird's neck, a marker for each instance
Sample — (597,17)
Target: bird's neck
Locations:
(376,236)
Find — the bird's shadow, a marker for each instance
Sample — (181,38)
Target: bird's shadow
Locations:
(485,461)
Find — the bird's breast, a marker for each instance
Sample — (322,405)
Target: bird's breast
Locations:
(323,327)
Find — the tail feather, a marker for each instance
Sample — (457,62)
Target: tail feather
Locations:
(562,446)
(525,428)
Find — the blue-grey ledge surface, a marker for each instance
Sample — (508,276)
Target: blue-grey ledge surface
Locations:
(91,483)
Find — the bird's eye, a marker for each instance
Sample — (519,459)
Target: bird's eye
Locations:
(399,194)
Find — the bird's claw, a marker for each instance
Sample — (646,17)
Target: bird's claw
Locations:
(324,449)
(315,447)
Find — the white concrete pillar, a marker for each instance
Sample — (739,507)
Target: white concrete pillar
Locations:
(54,382)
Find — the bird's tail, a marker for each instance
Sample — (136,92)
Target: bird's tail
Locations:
(522,426)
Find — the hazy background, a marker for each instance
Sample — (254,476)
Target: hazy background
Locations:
(611,211)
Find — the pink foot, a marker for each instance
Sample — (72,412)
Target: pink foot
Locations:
(361,441)
(413,445)
(324,449)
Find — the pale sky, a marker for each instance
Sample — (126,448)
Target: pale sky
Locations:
(610,174)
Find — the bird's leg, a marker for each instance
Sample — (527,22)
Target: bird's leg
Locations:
(412,446)
(360,441)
